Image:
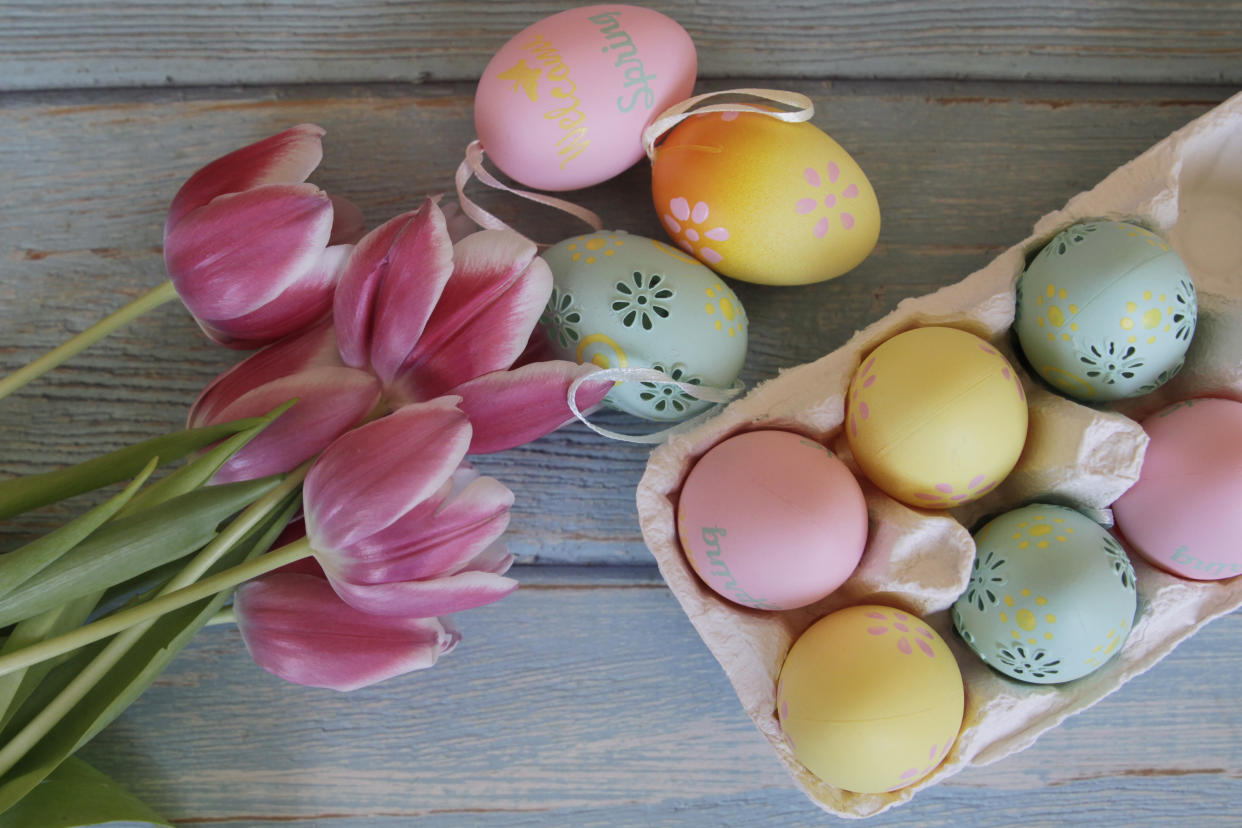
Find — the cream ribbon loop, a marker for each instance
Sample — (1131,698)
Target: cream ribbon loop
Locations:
(472,167)
(801,108)
(699,392)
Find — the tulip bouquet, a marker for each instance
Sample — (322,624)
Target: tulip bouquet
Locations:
(327,489)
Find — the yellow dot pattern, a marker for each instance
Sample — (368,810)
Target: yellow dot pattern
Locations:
(580,251)
(731,317)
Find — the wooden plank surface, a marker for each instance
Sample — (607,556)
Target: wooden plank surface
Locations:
(598,706)
(148,43)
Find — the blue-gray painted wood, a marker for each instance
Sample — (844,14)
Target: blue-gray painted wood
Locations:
(600,706)
(143,43)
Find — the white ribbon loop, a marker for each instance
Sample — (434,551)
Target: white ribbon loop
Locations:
(801,108)
(699,392)
(472,167)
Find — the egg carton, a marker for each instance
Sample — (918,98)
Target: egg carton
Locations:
(1188,188)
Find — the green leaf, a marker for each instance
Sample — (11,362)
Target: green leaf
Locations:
(20,494)
(127,547)
(200,470)
(126,679)
(21,564)
(17,686)
(75,794)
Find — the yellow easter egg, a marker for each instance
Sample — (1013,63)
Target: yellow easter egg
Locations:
(763,200)
(870,699)
(936,417)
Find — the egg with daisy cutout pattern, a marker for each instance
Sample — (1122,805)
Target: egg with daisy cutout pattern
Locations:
(1106,310)
(1051,596)
(626,301)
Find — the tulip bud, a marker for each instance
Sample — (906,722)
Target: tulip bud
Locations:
(250,248)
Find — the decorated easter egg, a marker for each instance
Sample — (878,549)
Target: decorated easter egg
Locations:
(763,200)
(870,699)
(936,417)
(1183,514)
(564,103)
(1106,310)
(771,520)
(623,301)
(1051,595)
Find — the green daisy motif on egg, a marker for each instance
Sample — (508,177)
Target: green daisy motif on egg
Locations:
(641,300)
(560,318)
(1024,661)
(666,398)
(1185,311)
(1121,562)
(1108,362)
(986,579)
(1061,244)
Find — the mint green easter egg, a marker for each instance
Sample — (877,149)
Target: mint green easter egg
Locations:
(1106,310)
(623,301)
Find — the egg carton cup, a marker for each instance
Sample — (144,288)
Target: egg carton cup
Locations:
(1188,188)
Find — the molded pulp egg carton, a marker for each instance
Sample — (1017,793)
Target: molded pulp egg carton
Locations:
(1188,188)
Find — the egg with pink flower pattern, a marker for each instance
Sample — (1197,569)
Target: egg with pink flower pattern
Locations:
(870,699)
(763,200)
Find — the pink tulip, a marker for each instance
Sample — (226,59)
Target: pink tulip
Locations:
(432,318)
(332,398)
(254,252)
(296,627)
(400,525)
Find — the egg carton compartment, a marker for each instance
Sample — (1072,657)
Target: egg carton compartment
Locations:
(1187,188)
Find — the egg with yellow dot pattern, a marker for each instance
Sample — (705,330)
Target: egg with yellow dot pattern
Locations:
(936,417)
(763,200)
(625,301)
(1106,310)
(870,699)
(1051,596)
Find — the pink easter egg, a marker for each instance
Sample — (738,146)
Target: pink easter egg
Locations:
(772,520)
(1183,514)
(564,103)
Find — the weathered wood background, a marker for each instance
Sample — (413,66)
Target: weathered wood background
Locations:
(586,698)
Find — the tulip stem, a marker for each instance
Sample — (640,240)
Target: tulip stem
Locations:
(123,620)
(148,301)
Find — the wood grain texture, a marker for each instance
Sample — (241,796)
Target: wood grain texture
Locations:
(576,707)
(148,43)
(962,172)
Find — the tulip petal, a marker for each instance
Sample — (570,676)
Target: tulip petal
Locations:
(440,536)
(302,303)
(484,317)
(371,476)
(241,251)
(495,559)
(297,628)
(284,158)
(330,402)
(353,308)
(420,262)
(315,346)
(454,593)
(511,408)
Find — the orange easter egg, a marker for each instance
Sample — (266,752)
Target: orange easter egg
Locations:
(764,200)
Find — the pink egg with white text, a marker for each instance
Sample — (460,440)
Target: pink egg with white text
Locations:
(564,103)
(1183,514)
(772,520)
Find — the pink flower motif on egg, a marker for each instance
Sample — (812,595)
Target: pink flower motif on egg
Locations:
(829,200)
(862,411)
(685,223)
(935,755)
(906,628)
